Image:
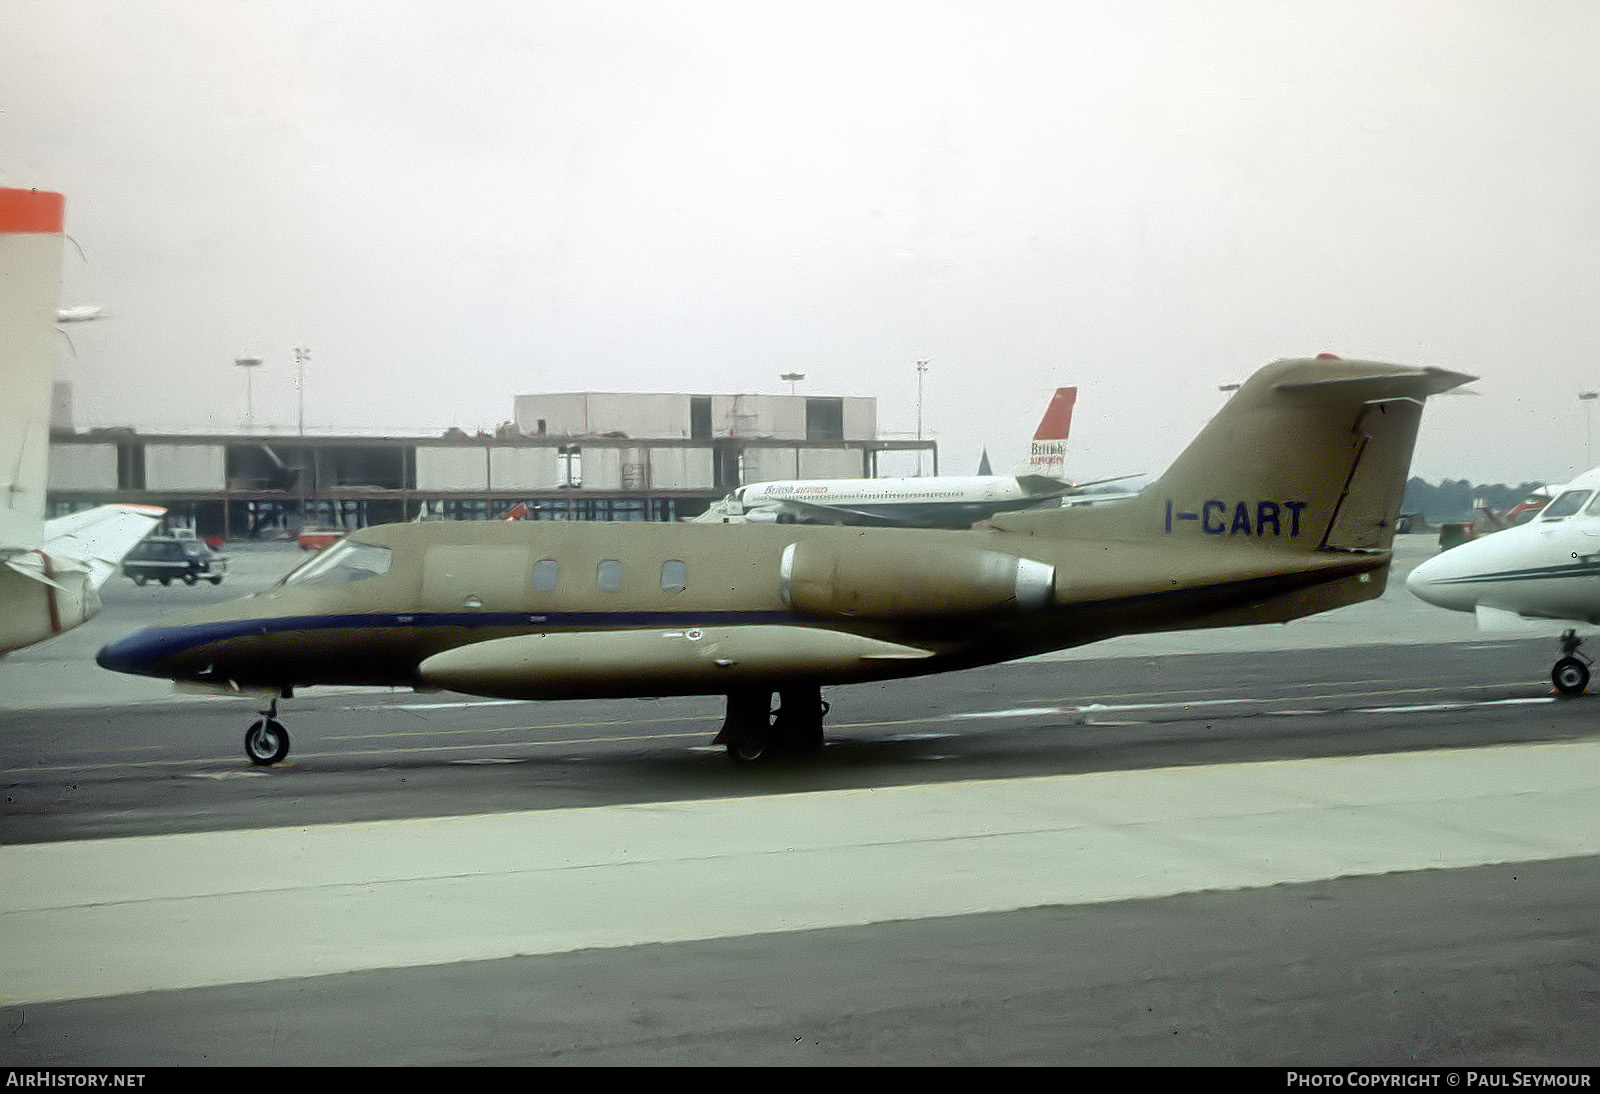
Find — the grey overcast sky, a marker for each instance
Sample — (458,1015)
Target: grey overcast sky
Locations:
(455,202)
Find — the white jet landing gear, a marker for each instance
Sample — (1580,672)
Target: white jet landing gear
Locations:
(753,733)
(266,742)
(1570,675)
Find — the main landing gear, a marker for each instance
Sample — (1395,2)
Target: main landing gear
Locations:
(266,742)
(754,733)
(1570,675)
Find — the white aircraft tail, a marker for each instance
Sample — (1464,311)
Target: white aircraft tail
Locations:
(1047,455)
(30,285)
(50,572)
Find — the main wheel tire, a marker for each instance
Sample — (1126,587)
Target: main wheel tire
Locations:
(266,742)
(166,581)
(800,735)
(217,580)
(139,579)
(1570,676)
(189,579)
(751,750)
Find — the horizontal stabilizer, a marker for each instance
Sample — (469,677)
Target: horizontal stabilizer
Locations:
(1415,383)
(686,660)
(100,537)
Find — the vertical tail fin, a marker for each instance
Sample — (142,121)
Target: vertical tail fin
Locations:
(1309,454)
(30,283)
(1048,453)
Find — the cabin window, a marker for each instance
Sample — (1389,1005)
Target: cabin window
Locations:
(545,574)
(608,576)
(674,576)
(344,561)
(1565,505)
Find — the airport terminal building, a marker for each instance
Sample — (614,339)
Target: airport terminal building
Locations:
(566,456)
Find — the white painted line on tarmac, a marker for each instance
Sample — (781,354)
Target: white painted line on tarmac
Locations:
(1427,708)
(432,891)
(1087,712)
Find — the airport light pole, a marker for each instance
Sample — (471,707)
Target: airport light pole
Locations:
(1587,398)
(792,378)
(303,475)
(922,369)
(249,364)
(301,356)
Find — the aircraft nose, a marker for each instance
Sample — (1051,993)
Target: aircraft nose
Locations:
(1433,581)
(138,654)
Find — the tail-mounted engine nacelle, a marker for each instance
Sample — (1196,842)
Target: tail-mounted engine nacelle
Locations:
(872,583)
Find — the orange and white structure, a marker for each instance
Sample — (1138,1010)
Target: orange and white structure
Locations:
(51,570)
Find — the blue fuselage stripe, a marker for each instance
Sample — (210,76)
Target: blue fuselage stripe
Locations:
(156,643)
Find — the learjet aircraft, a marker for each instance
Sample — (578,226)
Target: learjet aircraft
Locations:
(1283,506)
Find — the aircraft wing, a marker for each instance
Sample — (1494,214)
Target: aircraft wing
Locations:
(1043,487)
(1097,499)
(99,538)
(833,514)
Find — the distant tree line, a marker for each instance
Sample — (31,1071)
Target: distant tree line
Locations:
(1457,499)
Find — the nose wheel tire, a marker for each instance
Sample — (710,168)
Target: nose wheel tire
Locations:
(1570,676)
(266,742)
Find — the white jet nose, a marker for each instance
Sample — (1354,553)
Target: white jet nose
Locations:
(1438,582)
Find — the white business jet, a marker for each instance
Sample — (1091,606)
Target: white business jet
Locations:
(1548,568)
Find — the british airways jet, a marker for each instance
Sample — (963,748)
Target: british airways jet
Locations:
(1548,568)
(949,501)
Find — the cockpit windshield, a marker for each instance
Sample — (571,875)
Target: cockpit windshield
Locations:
(343,562)
(1565,505)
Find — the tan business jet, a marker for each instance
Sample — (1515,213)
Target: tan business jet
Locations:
(1283,506)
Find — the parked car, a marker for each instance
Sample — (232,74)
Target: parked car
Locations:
(165,558)
(315,539)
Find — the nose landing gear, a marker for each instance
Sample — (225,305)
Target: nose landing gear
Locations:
(266,742)
(1570,675)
